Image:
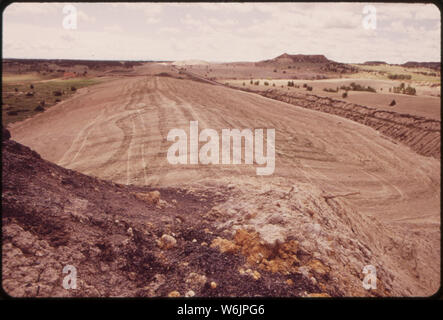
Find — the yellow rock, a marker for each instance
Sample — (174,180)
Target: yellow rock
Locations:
(318,295)
(213,285)
(224,245)
(318,267)
(174,294)
(152,197)
(256,275)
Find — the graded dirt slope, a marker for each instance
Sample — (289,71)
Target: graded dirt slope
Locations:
(117,131)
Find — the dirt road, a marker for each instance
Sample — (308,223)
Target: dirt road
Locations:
(117,131)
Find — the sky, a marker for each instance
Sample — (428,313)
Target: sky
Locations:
(222,32)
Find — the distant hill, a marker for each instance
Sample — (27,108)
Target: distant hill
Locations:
(297,58)
(415,64)
(315,62)
(373,63)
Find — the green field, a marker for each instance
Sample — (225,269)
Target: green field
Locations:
(382,72)
(17,106)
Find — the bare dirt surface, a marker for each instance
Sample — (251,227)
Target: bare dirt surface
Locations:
(420,133)
(342,196)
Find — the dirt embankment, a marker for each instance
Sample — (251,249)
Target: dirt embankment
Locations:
(123,240)
(133,241)
(419,133)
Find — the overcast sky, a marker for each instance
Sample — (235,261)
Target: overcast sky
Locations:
(222,32)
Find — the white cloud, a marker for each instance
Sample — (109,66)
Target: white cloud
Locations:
(225,31)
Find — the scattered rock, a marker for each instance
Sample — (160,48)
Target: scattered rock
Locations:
(130,232)
(196,281)
(152,197)
(190,294)
(166,242)
(213,285)
(174,294)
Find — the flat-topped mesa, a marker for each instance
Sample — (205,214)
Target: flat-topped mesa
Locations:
(312,58)
(286,58)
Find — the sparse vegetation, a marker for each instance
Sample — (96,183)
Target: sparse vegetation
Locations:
(399,76)
(404,90)
(357,87)
(330,90)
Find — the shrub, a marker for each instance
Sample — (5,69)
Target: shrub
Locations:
(304,85)
(266,83)
(404,90)
(410,90)
(309,88)
(290,83)
(31,86)
(257,83)
(57,93)
(251,82)
(399,76)
(345,94)
(73,89)
(393,103)
(39,109)
(330,90)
